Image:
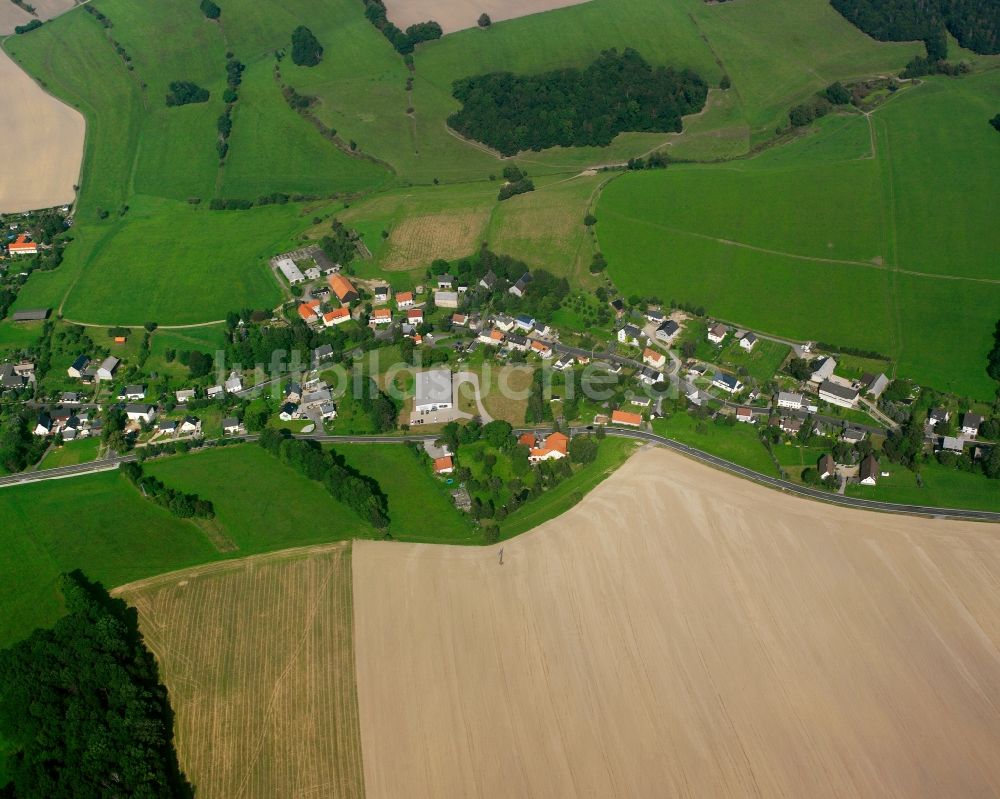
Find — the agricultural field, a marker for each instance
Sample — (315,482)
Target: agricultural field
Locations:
(836,245)
(258,656)
(633,624)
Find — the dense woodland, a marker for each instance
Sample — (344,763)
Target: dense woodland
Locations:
(974,23)
(82,709)
(573,107)
(306,49)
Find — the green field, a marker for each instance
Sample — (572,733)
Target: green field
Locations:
(71,453)
(420,508)
(740,443)
(819,240)
(943,486)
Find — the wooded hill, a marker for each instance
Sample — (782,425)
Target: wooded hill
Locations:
(974,23)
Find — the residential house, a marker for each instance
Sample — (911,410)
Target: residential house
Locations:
(952,444)
(654,315)
(618,306)
(446,281)
(69,398)
(231,425)
(563,363)
(132,393)
(650,377)
(446,299)
(326,266)
(504,323)
(140,412)
(459,319)
(107,368)
(166,427)
(790,425)
(788,399)
(938,415)
(852,435)
(641,402)
(524,322)
(970,424)
(874,385)
(234,385)
(336,317)
(293,392)
(541,349)
(826,467)
(185,395)
(415,316)
(43,425)
(629,334)
(654,358)
(190,425)
(717,333)
(327,411)
(404,299)
(748,342)
(77,368)
(381,294)
(444,465)
(212,392)
(555,447)
(744,414)
(9,378)
(322,353)
(836,394)
(529,440)
(380,316)
(312,273)
(625,418)
(868,472)
(494,337)
(23,245)
(291,272)
(309,311)
(516,342)
(668,331)
(823,370)
(521,285)
(488,281)
(727,383)
(343,289)
(316,398)
(288,412)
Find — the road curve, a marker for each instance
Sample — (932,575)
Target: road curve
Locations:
(808,492)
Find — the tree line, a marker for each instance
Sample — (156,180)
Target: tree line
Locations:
(406,41)
(974,23)
(575,107)
(360,493)
(183,506)
(82,709)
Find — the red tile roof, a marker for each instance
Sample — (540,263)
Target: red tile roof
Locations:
(527,439)
(443,464)
(415,313)
(341,286)
(404,296)
(623,417)
(309,310)
(558,442)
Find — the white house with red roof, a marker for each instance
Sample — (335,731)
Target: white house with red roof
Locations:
(22,245)
(415,316)
(337,317)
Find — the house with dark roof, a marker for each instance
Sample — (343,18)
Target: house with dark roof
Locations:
(868,471)
(488,281)
(971,423)
(629,334)
(748,341)
(826,467)
(9,378)
(726,382)
(78,366)
(717,333)
(521,285)
(668,331)
(837,394)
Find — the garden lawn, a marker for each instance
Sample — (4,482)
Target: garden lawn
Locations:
(943,486)
(420,508)
(71,453)
(739,443)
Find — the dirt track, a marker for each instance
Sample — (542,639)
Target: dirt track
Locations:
(684,633)
(43,138)
(456,15)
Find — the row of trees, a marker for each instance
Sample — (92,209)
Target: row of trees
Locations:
(82,708)
(360,493)
(974,23)
(183,506)
(573,107)
(403,41)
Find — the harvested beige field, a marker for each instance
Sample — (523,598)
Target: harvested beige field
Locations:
(259,660)
(685,633)
(456,15)
(43,142)
(418,240)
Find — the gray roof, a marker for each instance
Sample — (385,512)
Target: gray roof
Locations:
(869,468)
(31,315)
(789,397)
(135,388)
(323,351)
(729,380)
(230,421)
(668,328)
(632,331)
(837,390)
(9,378)
(972,420)
(433,387)
(138,407)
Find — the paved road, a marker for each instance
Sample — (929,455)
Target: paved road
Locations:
(638,435)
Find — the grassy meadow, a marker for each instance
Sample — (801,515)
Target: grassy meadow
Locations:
(818,239)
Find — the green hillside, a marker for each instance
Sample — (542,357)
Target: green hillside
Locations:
(826,238)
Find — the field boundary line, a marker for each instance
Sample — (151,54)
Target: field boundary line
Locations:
(228,563)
